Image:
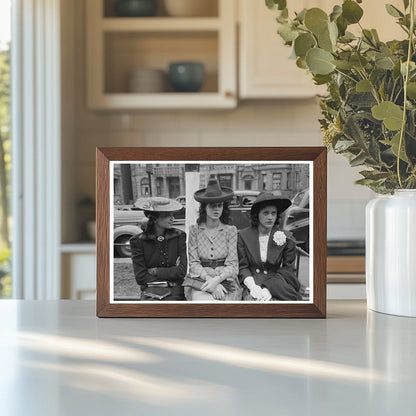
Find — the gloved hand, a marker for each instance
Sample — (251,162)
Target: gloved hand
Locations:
(266,295)
(255,290)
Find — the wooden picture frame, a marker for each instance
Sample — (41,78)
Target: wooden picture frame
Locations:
(315,157)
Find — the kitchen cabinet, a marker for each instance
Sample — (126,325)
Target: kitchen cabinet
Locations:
(78,268)
(265,70)
(118,45)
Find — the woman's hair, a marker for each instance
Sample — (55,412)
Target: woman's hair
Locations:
(254,214)
(148,227)
(225,216)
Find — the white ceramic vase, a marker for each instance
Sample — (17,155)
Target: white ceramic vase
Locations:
(391,253)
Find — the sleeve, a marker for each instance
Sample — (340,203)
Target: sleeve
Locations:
(287,269)
(176,272)
(244,267)
(195,267)
(141,274)
(230,268)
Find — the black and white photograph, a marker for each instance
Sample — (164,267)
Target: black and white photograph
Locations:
(211,231)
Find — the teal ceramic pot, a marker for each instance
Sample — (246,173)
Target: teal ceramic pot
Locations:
(186,76)
(135,8)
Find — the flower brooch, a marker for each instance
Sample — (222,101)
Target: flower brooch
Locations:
(279,237)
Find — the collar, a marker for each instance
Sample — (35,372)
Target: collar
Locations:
(169,234)
(203,226)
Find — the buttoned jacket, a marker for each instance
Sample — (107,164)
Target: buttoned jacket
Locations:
(280,258)
(167,256)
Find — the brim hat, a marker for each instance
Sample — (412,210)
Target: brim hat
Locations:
(213,192)
(158,204)
(267,198)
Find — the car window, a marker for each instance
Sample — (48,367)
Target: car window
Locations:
(235,201)
(298,198)
(247,200)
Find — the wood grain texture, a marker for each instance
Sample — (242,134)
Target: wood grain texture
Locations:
(346,264)
(317,309)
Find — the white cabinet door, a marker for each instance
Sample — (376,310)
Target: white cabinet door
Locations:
(79,276)
(265,70)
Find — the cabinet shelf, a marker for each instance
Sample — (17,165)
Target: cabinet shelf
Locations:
(160,24)
(116,46)
(197,100)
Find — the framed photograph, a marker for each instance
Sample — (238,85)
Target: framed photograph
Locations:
(211,232)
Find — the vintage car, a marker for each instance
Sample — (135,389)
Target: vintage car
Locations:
(296,219)
(128,222)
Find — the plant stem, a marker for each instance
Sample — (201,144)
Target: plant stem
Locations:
(406,79)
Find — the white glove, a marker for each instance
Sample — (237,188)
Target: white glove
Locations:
(255,290)
(266,295)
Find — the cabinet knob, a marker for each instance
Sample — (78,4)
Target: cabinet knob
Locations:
(229,94)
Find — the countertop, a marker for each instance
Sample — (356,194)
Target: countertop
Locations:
(57,358)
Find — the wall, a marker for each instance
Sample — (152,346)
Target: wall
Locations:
(253,123)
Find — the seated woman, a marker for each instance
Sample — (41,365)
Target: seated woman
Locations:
(212,248)
(267,254)
(159,252)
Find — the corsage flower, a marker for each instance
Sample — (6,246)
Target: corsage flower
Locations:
(279,237)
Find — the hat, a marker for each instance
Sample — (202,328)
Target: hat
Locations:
(158,204)
(267,197)
(213,192)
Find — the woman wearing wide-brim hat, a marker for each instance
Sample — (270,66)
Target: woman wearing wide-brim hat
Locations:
(212,248)
(159,252)
(267,254)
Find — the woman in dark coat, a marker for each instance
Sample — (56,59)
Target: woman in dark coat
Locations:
(267,254)
(159,252)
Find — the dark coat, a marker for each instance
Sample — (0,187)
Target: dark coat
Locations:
(147,252)
(278,272)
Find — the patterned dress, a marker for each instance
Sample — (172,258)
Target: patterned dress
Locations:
(204,245)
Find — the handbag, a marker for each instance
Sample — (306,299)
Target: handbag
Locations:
(157,292)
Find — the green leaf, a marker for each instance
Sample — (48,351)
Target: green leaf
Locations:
(303,43)
(287,33)
(393,11)
(343,145)
(325,42)
(319,61)
(358,160)
(345,65)
(321,79)
(301,15)
(394,143)
(363,86)
(384,62)
(316,20)
(336,12)
(374,175)
(406,4)
(351,11)
(391,114)
(276,4)
(411,90)
(301,63)
(358,61)
(375,35)
(342,25)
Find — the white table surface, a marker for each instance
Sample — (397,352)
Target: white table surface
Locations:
(57,358)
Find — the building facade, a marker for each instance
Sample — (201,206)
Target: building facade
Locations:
(133,181)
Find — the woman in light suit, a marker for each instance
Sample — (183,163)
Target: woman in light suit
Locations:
(267,254)
(212,248)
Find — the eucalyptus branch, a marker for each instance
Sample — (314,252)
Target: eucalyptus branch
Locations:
(406,79)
